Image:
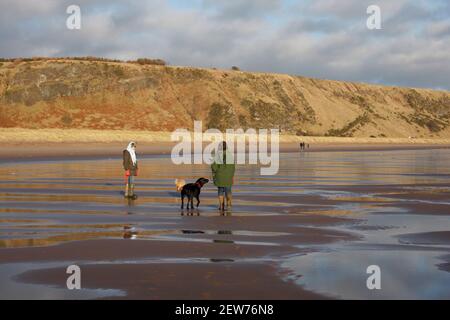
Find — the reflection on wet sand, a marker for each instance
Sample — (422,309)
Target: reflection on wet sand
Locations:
(49,239)
(190,212)
(321,221)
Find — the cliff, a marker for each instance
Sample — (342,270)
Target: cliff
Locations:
(90,94)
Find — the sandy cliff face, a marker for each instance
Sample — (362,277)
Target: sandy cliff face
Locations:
(107,95)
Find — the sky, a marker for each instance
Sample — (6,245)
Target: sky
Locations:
(315,38)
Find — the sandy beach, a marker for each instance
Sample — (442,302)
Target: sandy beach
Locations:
(225,155)
(78,150)
(307,233)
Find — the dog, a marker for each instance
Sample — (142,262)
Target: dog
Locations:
(191,191)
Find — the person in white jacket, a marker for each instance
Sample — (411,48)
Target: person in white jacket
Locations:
(130,165)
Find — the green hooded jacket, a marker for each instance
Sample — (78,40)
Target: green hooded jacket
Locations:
(223,172)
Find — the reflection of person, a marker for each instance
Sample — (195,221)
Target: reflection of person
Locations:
(223,169)
(129,233)
(130,166)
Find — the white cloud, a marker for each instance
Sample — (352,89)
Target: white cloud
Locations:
(321,38)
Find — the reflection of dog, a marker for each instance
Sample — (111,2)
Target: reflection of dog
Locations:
(191,191)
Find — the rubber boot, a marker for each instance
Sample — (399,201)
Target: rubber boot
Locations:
(221,203)
(127,191)
(229,199)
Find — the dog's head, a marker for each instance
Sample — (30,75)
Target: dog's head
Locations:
(180,183)
(201,182)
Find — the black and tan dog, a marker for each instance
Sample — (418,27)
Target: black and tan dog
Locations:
(191,191)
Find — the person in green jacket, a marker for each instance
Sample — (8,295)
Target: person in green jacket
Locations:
(223,169)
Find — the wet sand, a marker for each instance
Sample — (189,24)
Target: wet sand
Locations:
(307,233)
(446,265)
(95,150)
(228,281)
(437,238)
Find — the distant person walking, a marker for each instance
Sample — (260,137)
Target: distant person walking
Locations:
(302,146)
(130,166)
(223,169)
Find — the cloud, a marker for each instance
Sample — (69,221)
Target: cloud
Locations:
(321,38)
(232,9)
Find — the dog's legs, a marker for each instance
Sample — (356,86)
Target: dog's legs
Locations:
(198,201)
(182,201)
(192,203)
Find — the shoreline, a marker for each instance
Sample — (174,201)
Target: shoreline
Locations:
(99,150)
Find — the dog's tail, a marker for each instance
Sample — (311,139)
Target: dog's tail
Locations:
(180,183)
